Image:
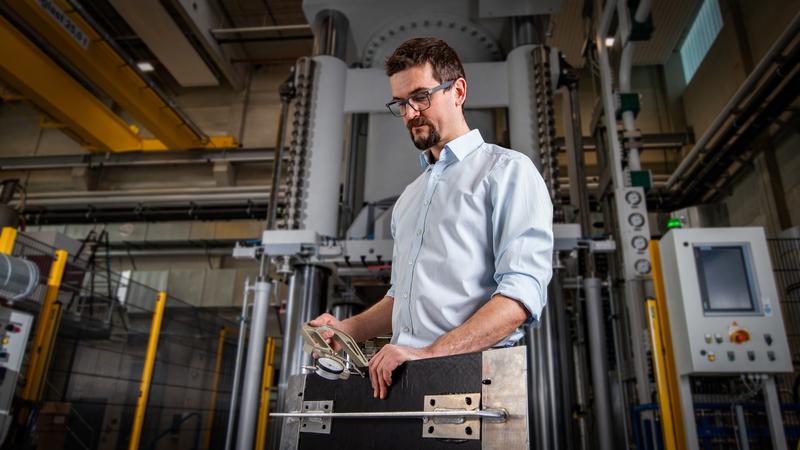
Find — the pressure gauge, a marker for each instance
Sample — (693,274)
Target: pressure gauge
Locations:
(636,220)
(329,368)
(633,197)
(642,266)
(639,242)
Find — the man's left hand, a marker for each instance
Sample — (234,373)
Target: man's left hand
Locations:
(386,360)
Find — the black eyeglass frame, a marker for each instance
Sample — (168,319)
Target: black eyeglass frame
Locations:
(407,102)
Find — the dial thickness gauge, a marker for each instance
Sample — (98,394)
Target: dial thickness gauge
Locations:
(639,243)
(633,197)
(636,220)
(642,266)
(329,368)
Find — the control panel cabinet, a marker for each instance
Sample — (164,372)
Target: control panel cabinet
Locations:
(724,308)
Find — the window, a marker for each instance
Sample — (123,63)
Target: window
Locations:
(701,36)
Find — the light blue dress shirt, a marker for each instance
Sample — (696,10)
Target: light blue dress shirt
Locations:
(476,223)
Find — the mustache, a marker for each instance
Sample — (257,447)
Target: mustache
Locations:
(418,122)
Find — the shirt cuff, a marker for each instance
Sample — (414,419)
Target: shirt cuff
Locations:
(525,290)
(390,293)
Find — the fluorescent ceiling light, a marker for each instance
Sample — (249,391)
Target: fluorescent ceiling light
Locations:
(610,41)
(145,66)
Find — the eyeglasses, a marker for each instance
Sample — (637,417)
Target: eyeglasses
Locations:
(419,101)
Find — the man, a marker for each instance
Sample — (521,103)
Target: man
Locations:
(473,236)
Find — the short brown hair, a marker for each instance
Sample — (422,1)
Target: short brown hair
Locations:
(418,51)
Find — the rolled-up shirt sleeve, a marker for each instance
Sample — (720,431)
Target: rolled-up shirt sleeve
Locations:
(522,233)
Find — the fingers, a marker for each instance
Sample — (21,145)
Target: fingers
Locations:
(374,365)
(324,319)
(381,367)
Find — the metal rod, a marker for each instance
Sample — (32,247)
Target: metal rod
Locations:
(741,429)
(147,372)
(237,369)
(301,26)
(598,358)
(497,414)
(253,367)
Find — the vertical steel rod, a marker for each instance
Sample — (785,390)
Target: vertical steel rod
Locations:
(238,368)
(147,371)
(253,367)
(597,343)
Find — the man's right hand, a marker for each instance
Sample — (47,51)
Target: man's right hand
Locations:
(329,320)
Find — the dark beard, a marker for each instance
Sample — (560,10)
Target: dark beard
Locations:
(423,143)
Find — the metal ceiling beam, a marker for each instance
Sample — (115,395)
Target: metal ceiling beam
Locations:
(29,71)
(87,49)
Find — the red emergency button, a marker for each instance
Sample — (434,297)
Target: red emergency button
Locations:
(737,334)
(740,337)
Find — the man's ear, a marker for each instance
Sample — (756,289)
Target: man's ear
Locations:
(460,90)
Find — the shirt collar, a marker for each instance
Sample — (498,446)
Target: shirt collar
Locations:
(459,147)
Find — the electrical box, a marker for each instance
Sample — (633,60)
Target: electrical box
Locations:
(724,309)
(16,327)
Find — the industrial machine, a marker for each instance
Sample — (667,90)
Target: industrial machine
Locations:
(473,401)
(16,326)
(724,315)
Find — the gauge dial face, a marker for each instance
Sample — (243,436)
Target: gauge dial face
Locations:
(330,365)
(639,242)
(642,266)
(633,197)
(636,220)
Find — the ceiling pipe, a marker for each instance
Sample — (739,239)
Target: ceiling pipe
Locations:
(744,90)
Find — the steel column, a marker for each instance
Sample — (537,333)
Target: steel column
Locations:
(215,387)
(598,356)
(147,371)
(253,367)
(7,238)
(46,324)
(237,369)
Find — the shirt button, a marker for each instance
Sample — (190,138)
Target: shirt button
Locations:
(405,294)
(419,232)
(406,330)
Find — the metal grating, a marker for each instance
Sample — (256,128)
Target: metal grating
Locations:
(786,264)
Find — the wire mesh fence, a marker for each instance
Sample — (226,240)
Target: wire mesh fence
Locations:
(93,384)
(785,255)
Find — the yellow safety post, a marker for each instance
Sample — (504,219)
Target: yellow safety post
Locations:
(7,238)
(668,385)
(215,386)
(147,372)
(659,363)
(46,329)
(266,384)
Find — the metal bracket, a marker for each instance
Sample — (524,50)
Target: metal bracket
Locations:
(452,427)
(315,423)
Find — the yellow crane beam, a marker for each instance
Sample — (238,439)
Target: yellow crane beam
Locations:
(75,39)
(37,78)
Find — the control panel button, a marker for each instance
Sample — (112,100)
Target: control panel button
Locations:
(708,339)
(771,355)
(731,356)
(751,355)
(737,334)
(718,338)
(712,357)
(768,338)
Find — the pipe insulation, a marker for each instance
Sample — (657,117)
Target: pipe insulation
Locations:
(18,277)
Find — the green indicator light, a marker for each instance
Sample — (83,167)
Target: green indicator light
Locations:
(674,223)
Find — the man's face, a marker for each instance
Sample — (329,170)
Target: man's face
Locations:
(429,126)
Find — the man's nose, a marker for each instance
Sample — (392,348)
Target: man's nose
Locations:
(411,113)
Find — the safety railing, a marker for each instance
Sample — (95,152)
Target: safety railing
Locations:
(120,364)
